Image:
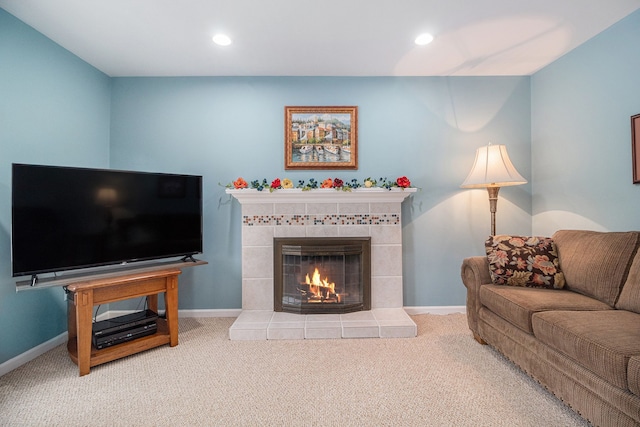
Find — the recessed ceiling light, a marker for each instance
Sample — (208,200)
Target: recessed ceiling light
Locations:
(424,39)
(221,40)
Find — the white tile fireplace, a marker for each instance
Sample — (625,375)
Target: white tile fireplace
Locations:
(370,212)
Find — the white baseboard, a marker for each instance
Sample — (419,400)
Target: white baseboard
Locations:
(38,350)
(223,312)
(31,354)
(436,309)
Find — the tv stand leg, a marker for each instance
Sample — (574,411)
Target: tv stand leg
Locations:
(152,303)
(171,305)
(83,301)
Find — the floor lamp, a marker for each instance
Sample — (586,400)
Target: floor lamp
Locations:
(492,169)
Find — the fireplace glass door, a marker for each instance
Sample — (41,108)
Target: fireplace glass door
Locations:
(322,275)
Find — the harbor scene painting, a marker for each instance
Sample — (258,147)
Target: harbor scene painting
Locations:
(321,138)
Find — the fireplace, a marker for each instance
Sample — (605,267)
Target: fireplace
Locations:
(349,217)
(322,275)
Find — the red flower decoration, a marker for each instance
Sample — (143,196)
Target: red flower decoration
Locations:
(337,183)
(275,183)
(403,182)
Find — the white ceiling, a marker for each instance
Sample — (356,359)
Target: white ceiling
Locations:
(319,37)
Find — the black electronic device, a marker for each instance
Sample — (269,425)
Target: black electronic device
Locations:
(128,321)
(67,218)
(124,335)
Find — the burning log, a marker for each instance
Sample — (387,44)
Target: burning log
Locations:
(320,294)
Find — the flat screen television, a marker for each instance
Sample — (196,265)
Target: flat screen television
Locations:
(66,218)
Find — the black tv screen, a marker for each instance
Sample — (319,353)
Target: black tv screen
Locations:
(67,218)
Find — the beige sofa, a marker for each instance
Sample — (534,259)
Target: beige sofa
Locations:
(581,342)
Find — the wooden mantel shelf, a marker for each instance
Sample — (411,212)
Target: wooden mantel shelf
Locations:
(322,195)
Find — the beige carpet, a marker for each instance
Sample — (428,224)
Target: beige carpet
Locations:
(441,378)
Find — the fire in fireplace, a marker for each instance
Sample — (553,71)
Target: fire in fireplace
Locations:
(322,275)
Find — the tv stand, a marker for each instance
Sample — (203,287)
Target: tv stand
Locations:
(89,292)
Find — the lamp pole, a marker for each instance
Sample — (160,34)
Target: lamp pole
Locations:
(493,206)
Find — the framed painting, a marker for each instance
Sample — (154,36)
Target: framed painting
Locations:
(321,137)
(635,147)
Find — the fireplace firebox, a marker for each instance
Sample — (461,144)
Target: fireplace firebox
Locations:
(322,275)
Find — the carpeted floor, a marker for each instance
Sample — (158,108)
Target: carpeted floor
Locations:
(441,378)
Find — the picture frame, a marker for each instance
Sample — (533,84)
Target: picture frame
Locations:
(321,137)
(635,147)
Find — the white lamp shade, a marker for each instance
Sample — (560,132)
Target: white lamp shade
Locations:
(492,168)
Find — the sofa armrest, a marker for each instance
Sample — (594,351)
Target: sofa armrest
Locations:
(475,273)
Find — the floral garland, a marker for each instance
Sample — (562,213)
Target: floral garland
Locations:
(337,183)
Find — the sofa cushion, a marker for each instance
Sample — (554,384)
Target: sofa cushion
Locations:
(633,375)
(524,261)
(630,295)
(517,305)
(595,263)
(600,341)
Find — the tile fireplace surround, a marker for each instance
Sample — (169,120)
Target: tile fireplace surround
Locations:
(373,212)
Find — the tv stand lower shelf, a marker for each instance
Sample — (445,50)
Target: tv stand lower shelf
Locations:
(109,354)
(87,294)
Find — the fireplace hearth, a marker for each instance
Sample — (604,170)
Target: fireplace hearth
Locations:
(322,275)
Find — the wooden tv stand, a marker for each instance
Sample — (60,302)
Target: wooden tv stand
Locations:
(102,290)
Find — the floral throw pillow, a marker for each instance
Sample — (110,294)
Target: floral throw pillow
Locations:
(524,261)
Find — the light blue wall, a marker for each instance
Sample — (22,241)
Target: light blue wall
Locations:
(54,109)
(581,135)
(425,128)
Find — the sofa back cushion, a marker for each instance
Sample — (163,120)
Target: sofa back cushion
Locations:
(630,295)
(596,263)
